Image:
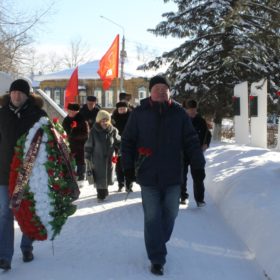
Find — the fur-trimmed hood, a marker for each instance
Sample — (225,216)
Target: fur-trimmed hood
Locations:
(36,99)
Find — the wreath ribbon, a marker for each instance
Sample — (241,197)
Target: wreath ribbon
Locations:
(25,171)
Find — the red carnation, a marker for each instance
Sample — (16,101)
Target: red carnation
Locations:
(51,144)
(56,187)
(55,120)
(51,172)
(114,159)
(51,158)
(143,154)
(73,124)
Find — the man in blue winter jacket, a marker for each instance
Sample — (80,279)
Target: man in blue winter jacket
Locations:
(156,137)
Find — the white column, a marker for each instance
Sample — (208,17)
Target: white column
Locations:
(259,123)
(278,138)
(241,123)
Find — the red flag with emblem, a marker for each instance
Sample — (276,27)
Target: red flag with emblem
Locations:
(71,90)
(109,64)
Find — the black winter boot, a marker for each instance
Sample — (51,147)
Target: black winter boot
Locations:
(157,269)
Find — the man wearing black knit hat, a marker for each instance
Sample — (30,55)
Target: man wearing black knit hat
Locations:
(20,111)
(157,135)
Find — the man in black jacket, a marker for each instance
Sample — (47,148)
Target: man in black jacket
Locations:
(89,110)
(157,134)
(77,130)
(20,111)
(204,136)
(119,119)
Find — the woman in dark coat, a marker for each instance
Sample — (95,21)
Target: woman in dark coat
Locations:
(77,130)
(99,149)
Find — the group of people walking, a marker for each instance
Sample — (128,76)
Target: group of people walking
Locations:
(95,137)
(154,144)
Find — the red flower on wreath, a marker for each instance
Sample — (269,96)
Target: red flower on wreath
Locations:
(143,154)
(29,222)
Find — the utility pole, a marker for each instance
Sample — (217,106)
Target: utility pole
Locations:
(122,52)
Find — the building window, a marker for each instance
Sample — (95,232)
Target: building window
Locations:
(48,91)
(98,94)
(82,95)
(58,97)
(142,93)
(109,94)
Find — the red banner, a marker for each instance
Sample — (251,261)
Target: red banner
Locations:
(109,64)
(72,89)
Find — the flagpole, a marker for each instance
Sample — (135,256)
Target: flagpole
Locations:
(122,53)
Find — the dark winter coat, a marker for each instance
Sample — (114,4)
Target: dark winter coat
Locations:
(167,131)
(13,126)
(77,136)
(119,120)
(202,130)
(99,149)
(88,115)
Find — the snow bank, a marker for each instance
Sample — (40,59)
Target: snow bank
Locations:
(244,182)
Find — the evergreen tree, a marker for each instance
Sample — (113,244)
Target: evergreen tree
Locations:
(226,42)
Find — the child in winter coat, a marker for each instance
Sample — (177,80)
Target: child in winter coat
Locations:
(99,149)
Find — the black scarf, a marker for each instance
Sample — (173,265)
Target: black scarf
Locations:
(18,110)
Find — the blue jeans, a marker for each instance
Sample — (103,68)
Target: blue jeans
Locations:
(7,229)
(161,208)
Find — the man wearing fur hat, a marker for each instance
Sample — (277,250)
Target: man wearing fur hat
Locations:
(90,110)
(119,119)
(157,135)
(20,110)
(77,131)
(126,97)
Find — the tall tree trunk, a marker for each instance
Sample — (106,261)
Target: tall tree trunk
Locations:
(217,130)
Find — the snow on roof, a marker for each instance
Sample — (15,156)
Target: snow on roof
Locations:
(89,70)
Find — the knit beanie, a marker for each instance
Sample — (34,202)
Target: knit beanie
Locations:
(158,80)
(102,114)
(73,106)
(121,104)
(20,85)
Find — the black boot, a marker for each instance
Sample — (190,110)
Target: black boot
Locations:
(81,172)
(5,265)
(128,187)
(27,256)
(121,185)
(157,269)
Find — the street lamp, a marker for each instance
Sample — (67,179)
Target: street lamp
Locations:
(122,53)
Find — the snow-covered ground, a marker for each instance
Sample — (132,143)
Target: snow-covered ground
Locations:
(234,237)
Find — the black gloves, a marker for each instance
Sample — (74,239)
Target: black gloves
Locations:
(198,174)
(130,175)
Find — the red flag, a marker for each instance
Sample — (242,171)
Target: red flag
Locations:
(109,64)
(72,89)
